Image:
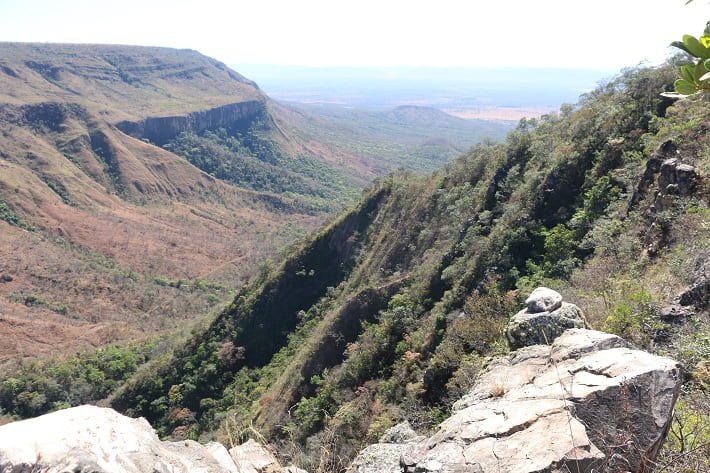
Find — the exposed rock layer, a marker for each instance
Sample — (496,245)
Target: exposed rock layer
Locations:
(160,130)
(586,403)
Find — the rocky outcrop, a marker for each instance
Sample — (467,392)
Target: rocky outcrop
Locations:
(160,130)
(694,298)
(100,440)
(395,446)
(545,318)
(586,403)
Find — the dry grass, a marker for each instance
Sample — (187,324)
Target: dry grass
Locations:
(104,266)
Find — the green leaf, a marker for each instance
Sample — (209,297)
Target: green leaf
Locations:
(699,72)
(695,48)
(684,87)
(707,64)
(687,72)
(680,45)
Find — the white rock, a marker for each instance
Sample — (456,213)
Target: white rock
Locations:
(543,299)
(252,457)
(100,440)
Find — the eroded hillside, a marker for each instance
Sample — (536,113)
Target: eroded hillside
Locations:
(106,236)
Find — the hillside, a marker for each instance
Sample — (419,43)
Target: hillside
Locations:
(140,185)
(122,82)
(106,236)
(391,310)
(417,138)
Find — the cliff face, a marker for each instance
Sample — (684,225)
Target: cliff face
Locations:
(160,130)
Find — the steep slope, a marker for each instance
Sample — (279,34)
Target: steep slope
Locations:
(606,200)
(106,236)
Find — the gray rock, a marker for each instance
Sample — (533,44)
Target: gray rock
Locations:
(395,447)
(90,439)
(400,433)
(680,176)
(586,403)
(543,299)
(541,328)
(97,440)
(252,457)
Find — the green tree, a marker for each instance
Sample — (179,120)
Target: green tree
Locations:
(694,76)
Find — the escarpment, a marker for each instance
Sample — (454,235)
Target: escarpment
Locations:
(231,117)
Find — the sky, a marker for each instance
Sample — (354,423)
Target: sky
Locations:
(589,34)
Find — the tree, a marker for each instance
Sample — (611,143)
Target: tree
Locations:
(695,76)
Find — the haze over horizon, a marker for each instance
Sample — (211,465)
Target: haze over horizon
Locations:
(553,33)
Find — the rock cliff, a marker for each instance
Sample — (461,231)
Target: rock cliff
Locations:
(160,130)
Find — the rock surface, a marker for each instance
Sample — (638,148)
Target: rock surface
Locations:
(397,444)
(251,457)
(160,130)
(543,299)
(100,440)
(544,319)
(586,403)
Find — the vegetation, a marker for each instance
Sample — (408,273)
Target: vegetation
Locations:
(248,160)
(417,138)
(393,308)
(12,218)
(694,76)
(391,311)
(41,386)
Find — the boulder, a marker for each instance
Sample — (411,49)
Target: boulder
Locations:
(100,440)
(97,440)
(543,299)
(252,457)
(676,177)
(586,403)
(395,447)
(542,327)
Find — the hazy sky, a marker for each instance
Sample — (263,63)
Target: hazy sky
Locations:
(548,33)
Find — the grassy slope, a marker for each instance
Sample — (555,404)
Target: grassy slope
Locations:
(384,340)
(117,238)
(107,238)
(123,82)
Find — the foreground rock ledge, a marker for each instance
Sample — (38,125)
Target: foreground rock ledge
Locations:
(586,403)
(91,439)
